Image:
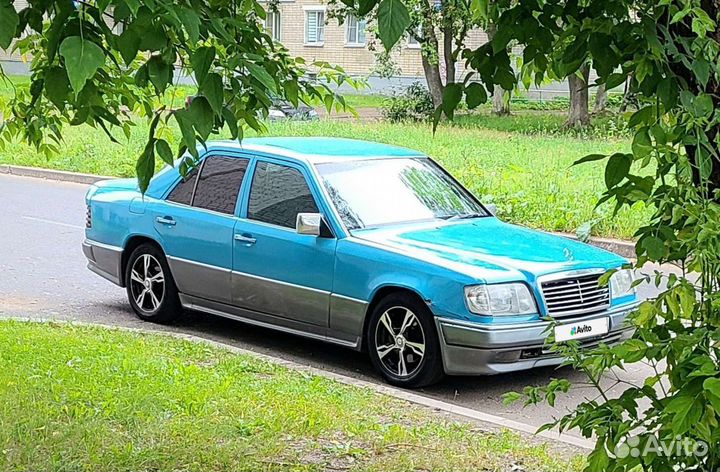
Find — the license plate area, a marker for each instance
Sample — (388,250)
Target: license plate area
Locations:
(582,329)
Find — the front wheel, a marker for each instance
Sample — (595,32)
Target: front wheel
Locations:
(403,343)
(150,287)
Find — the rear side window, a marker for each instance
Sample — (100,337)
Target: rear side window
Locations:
(219,184)
(182,193)
(278,194)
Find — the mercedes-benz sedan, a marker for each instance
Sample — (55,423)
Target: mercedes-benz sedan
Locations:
(361,244)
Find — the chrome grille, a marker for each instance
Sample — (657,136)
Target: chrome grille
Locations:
(576,295)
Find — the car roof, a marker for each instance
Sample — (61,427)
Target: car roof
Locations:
(317,150)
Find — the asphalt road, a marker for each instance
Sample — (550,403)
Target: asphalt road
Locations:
(43,274)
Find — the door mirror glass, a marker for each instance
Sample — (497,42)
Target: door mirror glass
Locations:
(308,223)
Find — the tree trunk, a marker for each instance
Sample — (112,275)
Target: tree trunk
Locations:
(601,99)
(627,93)
(434,82)
(578,115)
(432,70)
(448,36)
(501,103)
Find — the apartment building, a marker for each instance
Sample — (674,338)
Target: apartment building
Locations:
(304,27)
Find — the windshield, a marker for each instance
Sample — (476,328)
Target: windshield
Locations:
(383,191)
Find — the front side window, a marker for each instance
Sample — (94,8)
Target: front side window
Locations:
(397,190)
(314,27)
(219,184)
(278,194)
(272,24)
(355,30)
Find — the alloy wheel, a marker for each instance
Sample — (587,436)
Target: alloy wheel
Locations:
(400,341)
(147,283)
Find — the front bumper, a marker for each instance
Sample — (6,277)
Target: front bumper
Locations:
(483,348)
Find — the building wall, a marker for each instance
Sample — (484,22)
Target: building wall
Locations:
(335,50)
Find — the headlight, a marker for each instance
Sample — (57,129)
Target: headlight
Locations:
(621,283)
(500,299)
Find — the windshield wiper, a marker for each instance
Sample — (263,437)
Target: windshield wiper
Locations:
(464,216)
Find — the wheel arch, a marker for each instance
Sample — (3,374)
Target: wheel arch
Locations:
(379,294)
(130,245)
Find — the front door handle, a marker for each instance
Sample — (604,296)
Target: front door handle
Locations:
(249,241)
(165,220)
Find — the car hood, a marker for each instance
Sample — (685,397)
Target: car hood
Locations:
(489,249)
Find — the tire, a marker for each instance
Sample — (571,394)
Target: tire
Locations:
(150,287)
(402,342)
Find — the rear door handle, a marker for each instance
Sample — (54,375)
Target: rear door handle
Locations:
(249,241)
(165,220)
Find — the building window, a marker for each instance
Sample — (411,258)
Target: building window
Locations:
(355,31)
(272,24)
(314,27)
(412,41)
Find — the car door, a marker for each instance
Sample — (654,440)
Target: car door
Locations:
(277,271)
(196,225)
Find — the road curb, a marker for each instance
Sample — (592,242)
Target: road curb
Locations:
(623,248)
(431,403)
(618,246)
(50,174)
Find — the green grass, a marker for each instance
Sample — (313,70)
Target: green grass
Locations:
(521,162)
(365,100)
(81,398)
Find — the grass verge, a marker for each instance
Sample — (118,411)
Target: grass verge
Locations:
(84,398)
(520,162)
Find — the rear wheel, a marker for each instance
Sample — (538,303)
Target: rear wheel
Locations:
(403,343)
(150,287)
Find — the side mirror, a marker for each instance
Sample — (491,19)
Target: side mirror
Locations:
(492,208)
(308,223)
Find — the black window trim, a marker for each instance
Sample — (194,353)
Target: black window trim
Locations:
(199,171)
(291,165)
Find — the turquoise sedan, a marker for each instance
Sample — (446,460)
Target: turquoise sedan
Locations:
(365,245)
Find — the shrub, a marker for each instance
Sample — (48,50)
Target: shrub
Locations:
(412,104)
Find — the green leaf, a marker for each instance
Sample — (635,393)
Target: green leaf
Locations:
(201,60)
(475,95)
(145,168)
(617,169)
(9,21)
(642,145)
(57,85)
(160,73)
(201,114)
(645,116)
(451,97)
(128,43)
(82,60)
(185,122)
(704,161)
(262,75)
(701,69)
(702,105)
(214,92)
(393,20)
(631,350)
(589,158)
(364,6)
(163,150)
(191,22)
(654,246)
(713,386)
